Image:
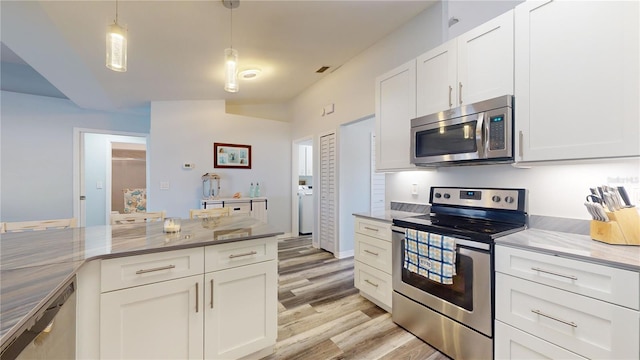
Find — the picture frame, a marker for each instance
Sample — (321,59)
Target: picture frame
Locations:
(231,156)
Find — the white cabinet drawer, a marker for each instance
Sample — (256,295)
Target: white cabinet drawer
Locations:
(588,327)
(613,285)
(373,252)
(373,282)
(511,343)
(229,255)
(378,229)
(124,272)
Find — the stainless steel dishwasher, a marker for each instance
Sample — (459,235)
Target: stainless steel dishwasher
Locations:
(53,332)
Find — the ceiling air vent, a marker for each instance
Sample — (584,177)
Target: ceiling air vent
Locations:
(322,69)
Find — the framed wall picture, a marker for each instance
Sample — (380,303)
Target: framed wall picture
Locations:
(231,156)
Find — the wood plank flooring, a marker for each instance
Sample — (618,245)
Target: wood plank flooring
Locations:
(322,316)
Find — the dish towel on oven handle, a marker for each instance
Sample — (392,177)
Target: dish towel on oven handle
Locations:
(430,255)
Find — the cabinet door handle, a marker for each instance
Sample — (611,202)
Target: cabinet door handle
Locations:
(450,91)
(371,283)
(212,293)
(520,145)
(371,252)
(197,296)
(570,323)
(554,273)
(144,271)
(241,255)
(371,229)
(460,92)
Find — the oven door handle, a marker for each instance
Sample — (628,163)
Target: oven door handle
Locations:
(463,242)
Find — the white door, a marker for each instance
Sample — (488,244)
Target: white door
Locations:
(485,61)
(395,107)
(328,193)
(436,84)
(577,79)
(157,321)
(248,323)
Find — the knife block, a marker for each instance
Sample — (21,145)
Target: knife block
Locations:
(622,229)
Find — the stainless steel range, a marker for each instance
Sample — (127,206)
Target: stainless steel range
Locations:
(443,267)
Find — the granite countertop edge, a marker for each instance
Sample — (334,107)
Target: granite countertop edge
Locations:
(27,320)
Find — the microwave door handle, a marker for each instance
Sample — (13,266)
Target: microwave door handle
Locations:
(480,136)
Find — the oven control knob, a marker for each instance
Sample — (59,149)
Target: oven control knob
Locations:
(496,198)
(438,195)
(446,196)
(509,199)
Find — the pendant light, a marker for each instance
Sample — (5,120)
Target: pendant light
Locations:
(116,46)
(231,54)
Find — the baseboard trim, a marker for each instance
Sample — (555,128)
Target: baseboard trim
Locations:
(344,254)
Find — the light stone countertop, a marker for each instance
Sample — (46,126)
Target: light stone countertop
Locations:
(34,265)
(387,215)
(574,246)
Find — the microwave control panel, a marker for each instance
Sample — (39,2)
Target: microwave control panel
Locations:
(497,132)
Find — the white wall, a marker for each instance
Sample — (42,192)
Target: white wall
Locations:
(37,152)
(355,178)
(554,190)
(185,131)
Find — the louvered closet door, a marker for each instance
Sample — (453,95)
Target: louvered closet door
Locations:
(328,195)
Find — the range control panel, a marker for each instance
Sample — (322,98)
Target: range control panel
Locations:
(489,198)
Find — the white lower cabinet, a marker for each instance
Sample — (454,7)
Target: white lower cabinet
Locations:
(155,321)
(372,266)
(551,307)
(517,344)
(240,311)
(226,312)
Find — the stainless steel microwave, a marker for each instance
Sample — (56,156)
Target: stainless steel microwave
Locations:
(480,133)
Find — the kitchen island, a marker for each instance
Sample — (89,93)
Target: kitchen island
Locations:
(36,265)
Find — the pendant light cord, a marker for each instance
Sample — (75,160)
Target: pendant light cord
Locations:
(231,32)
(116,11)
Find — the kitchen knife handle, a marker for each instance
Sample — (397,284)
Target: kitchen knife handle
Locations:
(624,195)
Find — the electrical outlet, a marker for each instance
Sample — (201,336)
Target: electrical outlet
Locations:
(164,185)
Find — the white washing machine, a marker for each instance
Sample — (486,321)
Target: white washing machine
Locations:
(305,209)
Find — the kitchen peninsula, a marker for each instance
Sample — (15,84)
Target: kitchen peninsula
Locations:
(219,275)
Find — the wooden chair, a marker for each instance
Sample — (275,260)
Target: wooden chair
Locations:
(206,213)
(19,226)
(119,219)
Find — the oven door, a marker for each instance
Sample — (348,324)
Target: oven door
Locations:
(455,139)
(467,300)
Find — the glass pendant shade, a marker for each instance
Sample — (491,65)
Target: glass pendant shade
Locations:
(116,48)
(231,70)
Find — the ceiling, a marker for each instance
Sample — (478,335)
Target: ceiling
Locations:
(176,48)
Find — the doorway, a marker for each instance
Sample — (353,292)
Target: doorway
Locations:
(93,165)
(303,213)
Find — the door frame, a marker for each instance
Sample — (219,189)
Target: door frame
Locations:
(295,170)
(79,185)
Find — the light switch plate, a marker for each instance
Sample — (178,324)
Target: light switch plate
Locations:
(164,185)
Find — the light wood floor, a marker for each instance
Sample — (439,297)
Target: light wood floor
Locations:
(322,316)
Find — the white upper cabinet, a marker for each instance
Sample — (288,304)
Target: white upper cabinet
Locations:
(305,160)
(395,107)
(577,80)
(475,66)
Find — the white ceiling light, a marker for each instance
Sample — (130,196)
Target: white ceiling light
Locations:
(231,54)
(116,46)
(249,74)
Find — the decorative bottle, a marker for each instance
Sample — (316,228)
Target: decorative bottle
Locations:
(257,190)
(252,191)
